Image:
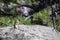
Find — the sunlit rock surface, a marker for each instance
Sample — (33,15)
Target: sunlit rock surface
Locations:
(29,32)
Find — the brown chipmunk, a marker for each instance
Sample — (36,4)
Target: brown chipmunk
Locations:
(16,23)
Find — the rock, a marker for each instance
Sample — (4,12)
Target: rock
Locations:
(26,32)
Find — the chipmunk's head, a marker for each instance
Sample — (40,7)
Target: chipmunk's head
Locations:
(16,21)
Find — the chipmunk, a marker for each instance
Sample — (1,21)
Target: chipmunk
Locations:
(16,23)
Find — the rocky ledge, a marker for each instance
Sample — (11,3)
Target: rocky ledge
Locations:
(29,32)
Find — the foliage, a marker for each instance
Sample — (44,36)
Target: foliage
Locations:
(42,15)
(7,1)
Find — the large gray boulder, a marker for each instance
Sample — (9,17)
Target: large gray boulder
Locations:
(28,32)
